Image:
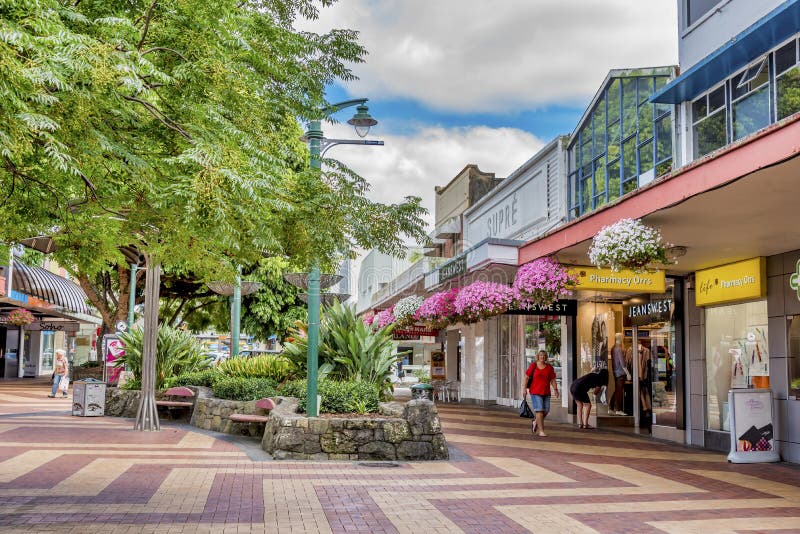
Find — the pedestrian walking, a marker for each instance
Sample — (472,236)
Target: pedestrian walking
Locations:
(543,377)
(580,394)
(60,371)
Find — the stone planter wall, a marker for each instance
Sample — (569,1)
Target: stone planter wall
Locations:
(122,402)
(410,432)
(211,413)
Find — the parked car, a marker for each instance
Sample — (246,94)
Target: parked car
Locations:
(249,353)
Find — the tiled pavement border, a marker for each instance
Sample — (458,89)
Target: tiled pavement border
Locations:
(64,474)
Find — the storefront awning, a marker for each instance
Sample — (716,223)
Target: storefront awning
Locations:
(765,34)
(50,287)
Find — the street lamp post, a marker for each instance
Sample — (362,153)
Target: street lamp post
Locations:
(234,292)
(317,145)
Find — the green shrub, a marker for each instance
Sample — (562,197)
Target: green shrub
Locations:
(133,384)
(243,389)
(206,378)
(276,367)
(349,349)
(337,397)
(177,352)
(90,364)
(423,375)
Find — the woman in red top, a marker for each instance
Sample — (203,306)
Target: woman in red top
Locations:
(544,376)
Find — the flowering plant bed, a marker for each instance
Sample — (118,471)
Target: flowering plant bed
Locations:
(383,318)
(20,317)
(628,244)
(438,310)
(481,300)
(542,282)
(405,311)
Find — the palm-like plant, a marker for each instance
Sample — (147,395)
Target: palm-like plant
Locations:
(177,352)
(348,349)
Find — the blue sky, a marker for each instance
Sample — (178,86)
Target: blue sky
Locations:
(458,82)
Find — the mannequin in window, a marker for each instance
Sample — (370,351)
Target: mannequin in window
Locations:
(645,368)
(620,375)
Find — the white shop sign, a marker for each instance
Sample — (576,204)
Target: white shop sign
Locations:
(512,212)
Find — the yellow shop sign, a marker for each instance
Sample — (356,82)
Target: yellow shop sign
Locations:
(608,280)
(743,280)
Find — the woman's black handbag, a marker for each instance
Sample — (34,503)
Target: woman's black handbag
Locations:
(524,410)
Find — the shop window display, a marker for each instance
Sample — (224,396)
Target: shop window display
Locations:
(794,357)
(736,355)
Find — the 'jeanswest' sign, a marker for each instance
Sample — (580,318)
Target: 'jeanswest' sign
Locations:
(608,280)
(743,280)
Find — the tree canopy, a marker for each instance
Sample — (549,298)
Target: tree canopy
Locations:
(172,126)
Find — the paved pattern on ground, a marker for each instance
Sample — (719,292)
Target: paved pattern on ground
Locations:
(67,474)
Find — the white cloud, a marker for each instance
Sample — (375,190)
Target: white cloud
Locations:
(475,55)
(415,164)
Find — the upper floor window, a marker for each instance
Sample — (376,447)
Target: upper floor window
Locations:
(623,143)
(695,9)
(753,98)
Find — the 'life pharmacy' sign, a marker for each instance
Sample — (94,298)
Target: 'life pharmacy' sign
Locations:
(743,280)
(625,280)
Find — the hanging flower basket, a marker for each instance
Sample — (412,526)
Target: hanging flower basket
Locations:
(406,309)
(438,310)
(383,319)
(628,244)
(481,300)
(542,282)
(20,317)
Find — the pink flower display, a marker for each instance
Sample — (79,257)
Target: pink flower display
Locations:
(481,300)
(20,317)
(384,318)
(438,310)
(367,319)
(543,281)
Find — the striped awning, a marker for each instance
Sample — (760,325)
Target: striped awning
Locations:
(50,287)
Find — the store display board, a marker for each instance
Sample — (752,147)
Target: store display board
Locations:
(438,370)
(752,427)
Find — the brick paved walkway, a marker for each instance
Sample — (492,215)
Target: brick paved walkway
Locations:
(65,474)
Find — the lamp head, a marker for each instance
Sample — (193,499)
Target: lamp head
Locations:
(362,121)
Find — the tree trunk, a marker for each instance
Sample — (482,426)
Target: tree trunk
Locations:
(147,415)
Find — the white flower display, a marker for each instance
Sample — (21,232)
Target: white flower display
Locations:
(406,308)
(628,244)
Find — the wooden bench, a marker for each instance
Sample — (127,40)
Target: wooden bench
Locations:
(262,404)
(172,395)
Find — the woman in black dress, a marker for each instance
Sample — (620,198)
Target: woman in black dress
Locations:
(580,394)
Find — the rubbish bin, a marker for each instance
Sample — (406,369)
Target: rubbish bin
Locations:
(422,391)
(88,397)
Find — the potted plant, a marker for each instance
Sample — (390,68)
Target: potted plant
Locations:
(20,317)
(383,318)
(628,244)
(542,282)
(405,311)
(481,300)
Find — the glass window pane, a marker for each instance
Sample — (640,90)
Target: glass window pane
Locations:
(751,113)
(600,176)
(710,134)
(613,100)
(661,81)
(629,186)
(628,106)
(646,157)
(645,122)
(599,120)
(716,99)
(629,158)
(586,193)
(699,109)
(645,89)
(613,140)
(733,333)
(586,150)
(664,138)
(613,180)
(573,189)
(788,93)
(664,167)
(695,9)
(785,57)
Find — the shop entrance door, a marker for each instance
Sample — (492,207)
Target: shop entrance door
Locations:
(509,364)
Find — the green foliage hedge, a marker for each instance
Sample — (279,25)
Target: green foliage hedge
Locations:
(337,397)
(205,378)
(276,367)
(243,389)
